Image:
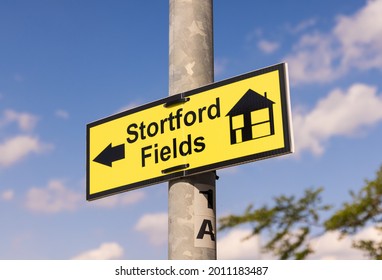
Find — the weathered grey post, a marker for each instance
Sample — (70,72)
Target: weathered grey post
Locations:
(191,205)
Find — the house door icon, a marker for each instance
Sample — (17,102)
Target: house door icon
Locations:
(251,118)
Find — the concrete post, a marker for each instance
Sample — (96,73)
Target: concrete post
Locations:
(191,205)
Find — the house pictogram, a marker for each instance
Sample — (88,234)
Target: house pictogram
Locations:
(251,117)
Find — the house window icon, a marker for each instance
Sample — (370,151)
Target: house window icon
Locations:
(251,118)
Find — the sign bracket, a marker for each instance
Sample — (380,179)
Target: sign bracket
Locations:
(178,99)
(175,168)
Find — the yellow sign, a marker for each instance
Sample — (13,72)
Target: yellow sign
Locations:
(234,121)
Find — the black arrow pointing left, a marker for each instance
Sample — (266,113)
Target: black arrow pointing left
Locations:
(111,154)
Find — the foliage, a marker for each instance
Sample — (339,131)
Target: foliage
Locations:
(364,209)
(288,223)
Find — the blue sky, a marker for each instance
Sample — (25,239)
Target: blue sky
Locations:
(64,64)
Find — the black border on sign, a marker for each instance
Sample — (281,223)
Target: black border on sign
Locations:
(287,127)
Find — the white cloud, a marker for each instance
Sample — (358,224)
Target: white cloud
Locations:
(302,26)
(106,251)
(127,107)
(62,114)
(125,199)
(354,42)
(341,113)
(17,148)
(56,198)
(330,247)
(254,35)
(25,121)
(7,195)
(155,227)
(326,247)
(268,47)
(360,36)
(313,60)
(233,247)
(220,66)
(53,198)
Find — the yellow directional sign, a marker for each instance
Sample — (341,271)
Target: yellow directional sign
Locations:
(234,121)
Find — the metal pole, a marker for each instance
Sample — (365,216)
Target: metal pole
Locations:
(191,200)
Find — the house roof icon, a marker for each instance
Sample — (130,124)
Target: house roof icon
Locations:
(251,126)
(251,101)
